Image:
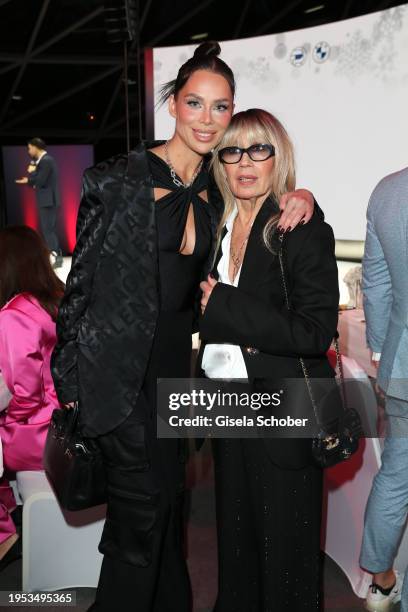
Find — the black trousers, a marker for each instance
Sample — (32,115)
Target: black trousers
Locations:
(48,222)
(144,569)
(268,530)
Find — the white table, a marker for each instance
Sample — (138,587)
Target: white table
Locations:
(352,341)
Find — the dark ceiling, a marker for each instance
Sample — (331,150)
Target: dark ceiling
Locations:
(62,80)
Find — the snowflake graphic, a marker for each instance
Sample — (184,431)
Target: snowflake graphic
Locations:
(375,55)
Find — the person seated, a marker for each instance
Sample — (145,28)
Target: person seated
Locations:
(30,293)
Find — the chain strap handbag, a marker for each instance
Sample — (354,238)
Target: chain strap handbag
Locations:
(73,463)
(328,449)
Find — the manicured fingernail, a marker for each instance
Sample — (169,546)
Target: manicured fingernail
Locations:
(288,229)
(280,228)
(302,222)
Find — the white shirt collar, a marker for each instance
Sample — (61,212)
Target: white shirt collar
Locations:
(231,218)
(41,156)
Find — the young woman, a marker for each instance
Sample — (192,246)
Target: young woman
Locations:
(144,237)
(29,296)
(268,492)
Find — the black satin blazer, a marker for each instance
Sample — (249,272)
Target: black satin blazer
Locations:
(255,317)
(107,318)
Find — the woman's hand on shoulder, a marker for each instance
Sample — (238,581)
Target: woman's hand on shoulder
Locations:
(297,207)
(207,287)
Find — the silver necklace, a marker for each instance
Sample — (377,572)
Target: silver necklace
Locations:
(176,181)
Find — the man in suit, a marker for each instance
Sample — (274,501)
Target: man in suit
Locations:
(43,178)
(385,289)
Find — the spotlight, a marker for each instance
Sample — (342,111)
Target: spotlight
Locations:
(199,36)
(313,9)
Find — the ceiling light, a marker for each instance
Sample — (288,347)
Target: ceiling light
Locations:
(314,9)
(17,98)
(199,36)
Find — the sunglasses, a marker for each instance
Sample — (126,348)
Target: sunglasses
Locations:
(257,152)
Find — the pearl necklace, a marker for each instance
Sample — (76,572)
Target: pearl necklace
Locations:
(176,181)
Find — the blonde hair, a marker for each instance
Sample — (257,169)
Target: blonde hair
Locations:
(258,126)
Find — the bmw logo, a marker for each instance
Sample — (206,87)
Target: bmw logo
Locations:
(321,52)
(298,56)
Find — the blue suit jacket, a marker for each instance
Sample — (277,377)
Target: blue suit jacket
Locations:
(385,281)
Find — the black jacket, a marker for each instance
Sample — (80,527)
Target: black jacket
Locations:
(255,317)
(44,180)
(108,315)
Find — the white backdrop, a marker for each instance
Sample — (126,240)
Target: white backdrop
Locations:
(344,103)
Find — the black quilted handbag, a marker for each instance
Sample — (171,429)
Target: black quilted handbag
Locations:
(73,463)
(330,448)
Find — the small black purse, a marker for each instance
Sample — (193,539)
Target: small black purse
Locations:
(330,448)
(73,464)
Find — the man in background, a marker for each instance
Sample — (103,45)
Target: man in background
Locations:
(43,178)
(385,289)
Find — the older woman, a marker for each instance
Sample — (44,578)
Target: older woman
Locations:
(268,492)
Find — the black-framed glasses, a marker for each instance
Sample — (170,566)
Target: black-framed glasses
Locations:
(257,152)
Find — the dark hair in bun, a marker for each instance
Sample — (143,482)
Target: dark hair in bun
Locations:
(205,58)
(207,48)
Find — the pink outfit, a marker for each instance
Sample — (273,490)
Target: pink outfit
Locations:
(27,339)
